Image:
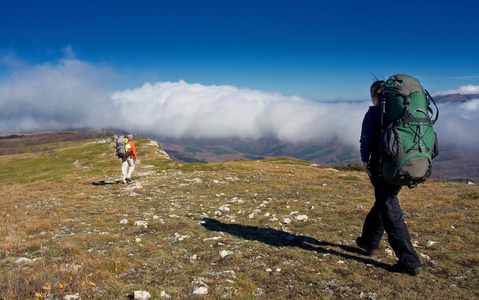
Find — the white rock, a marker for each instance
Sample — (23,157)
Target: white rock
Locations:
(141,295)
(286,221)
(430,243)
(141,223)
(163,294)
(179,237)
(124,221)
(301,218)
(212,238)
(202,290)
(250,216)
(224,253)
(23,260)
(425,256)
(72,297)
(138,240)
(224,208)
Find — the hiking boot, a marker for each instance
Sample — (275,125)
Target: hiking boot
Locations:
(128,180)
(362,245)
(397,268)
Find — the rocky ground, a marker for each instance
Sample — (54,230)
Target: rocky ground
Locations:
(271,229)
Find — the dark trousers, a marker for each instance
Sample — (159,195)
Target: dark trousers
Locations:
(386,215)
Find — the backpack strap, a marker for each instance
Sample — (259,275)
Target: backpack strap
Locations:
(429,99)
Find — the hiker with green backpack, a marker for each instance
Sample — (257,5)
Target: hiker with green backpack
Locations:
(397,146)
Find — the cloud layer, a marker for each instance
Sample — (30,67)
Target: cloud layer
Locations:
(465,90)
(68,94)
(74,94)
(182,110)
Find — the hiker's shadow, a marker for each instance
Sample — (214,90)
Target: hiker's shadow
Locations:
(281,238)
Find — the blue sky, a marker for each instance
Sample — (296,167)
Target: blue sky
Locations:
(319,50)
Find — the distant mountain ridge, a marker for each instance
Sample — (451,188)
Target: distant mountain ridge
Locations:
(455,98)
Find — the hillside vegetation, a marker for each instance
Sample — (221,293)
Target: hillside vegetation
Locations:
(269,229)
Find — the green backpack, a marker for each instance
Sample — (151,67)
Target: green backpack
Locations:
(408,142)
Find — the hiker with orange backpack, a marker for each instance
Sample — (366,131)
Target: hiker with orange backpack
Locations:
(125,149)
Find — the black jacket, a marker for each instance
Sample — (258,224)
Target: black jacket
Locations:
(370,132)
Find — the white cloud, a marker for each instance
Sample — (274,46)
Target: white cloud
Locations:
(457,123)
(465,90)
(67,94)
(182,110)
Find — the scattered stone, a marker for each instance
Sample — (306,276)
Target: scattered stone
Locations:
(389,251)
(258,292)
(224,207)
(425,256)
(141,223)
(224,253)
(301,218)
(141,295)
(286,221)
(212,238)
(71,267)
(72,297)
(202,290)
(163,294)
(199,287)
(124,221)
(23,260)
(430,243)
(371,296)
(178,237)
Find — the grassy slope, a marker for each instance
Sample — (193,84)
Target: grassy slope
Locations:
(55,213)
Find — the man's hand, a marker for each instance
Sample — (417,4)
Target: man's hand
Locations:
(366,168)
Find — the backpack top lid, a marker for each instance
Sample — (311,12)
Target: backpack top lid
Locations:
(402,84)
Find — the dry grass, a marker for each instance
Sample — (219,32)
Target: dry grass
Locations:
(56,214)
